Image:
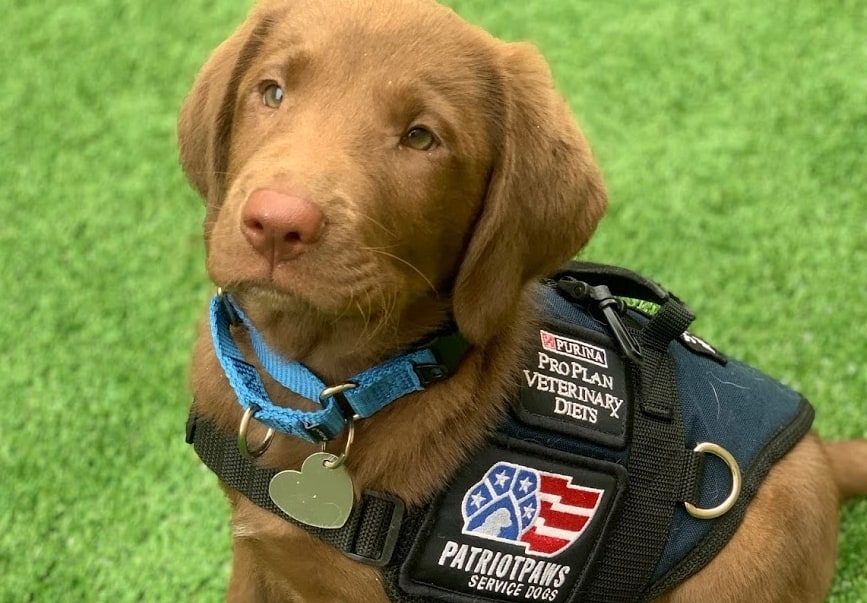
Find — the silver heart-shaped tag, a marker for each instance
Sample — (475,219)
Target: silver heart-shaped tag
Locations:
(317,495)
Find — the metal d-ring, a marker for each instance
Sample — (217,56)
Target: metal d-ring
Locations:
(350,437)
(242,435)
(728,503)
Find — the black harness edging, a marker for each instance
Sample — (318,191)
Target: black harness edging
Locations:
(369,534)
(629,458)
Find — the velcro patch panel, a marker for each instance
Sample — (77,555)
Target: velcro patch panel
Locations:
(518,523)
(575,383)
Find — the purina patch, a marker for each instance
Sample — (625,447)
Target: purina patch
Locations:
(575,383)
(519,523)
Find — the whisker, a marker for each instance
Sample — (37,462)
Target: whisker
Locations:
(363,315)
(345,309)
(377,223)
(383,316)
(403,261)
(367,248)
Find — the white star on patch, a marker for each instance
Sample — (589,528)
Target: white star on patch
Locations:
(477,499)
(502,478)
(529,511)
(525,484)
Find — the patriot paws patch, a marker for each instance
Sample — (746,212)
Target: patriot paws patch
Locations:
(518,523)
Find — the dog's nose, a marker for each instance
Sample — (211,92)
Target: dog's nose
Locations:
(280,227)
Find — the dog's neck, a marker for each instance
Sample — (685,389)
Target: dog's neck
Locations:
(336,348)
(466,404)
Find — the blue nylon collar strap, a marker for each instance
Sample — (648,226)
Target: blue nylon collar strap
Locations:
(367,393)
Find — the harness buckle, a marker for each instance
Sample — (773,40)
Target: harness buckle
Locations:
(391,528)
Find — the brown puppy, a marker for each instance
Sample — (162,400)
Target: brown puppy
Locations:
(372,168)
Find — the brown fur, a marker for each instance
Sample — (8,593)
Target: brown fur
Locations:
(410,238)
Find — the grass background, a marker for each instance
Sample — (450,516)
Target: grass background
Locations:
(732,135)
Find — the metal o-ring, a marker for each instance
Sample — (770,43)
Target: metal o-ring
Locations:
(728,503)
(242,435)
(350,436)
(326,393)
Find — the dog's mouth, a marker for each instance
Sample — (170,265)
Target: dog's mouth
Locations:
(370,307)
(267,294)
(272,296)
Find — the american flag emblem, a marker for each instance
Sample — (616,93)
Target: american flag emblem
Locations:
(537,510)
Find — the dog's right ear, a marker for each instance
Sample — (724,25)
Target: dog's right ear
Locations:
(207,114)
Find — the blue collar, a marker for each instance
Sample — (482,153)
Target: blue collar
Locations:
(359,397)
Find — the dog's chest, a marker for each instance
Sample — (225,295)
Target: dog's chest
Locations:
(628,459)
(591,491)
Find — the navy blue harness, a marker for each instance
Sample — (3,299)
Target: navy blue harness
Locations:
(626,464)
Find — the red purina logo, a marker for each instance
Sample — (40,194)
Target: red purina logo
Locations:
(573,348)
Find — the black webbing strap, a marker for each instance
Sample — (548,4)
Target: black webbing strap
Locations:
(658,384)
(369,534)
(657,461)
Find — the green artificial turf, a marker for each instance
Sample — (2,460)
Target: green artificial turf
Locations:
(732,136)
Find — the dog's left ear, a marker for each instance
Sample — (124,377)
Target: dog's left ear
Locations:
(544,199)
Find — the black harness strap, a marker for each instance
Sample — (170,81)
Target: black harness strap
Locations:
(369,534)
(657,461)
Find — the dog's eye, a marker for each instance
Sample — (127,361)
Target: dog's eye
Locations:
(272,95)
(420,139)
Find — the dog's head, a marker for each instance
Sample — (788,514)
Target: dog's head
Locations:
(367,159)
